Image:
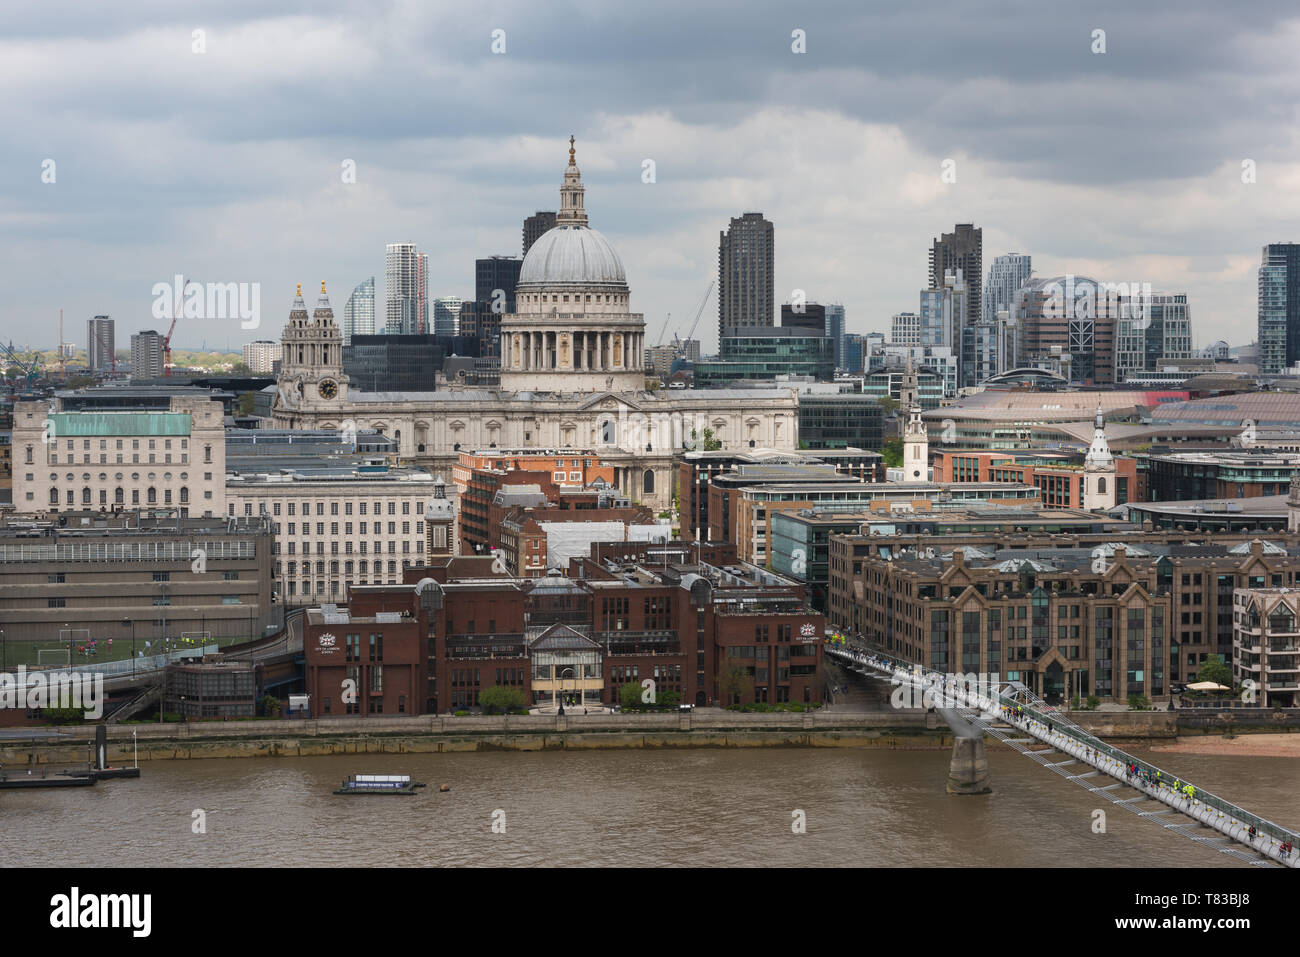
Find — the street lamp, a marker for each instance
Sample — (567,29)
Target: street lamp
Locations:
(566,673)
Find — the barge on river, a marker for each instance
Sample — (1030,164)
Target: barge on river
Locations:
(378,784)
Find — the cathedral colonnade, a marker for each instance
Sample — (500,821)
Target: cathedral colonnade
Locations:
(577,350)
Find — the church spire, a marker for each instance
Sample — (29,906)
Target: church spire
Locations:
(571,211)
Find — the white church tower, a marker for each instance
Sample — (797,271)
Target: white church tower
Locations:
(1099,470)
(916,448)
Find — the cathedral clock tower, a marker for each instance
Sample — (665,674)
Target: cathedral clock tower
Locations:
(311,385)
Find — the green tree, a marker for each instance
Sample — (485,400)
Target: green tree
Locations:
(500,698)
(240,368)
(629,696)
(735,681)
(246,403)
(1215,670)
(79,382)
(892,450)
(887,405)
(708,443)
(63,715)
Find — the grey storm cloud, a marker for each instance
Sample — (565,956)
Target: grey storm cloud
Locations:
(225,165)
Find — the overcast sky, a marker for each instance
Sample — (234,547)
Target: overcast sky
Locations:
(226,165)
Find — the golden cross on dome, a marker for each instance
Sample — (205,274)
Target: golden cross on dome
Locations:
(571,151)
(322,287)
(299,289)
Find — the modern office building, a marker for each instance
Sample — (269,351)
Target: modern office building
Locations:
(854,353)
(497,273)
(394,363)
(746,274)
(114,460)
(1279,307)
(359,311)
(756,352)
(146,355)
(446,316)
(961,250)
(835,329)
(1006,274)
(808,315)
(1074,316)
(406,289)
(101,344)
(261,355)
(535,226)
(134,576)
(905,328)
(846,420)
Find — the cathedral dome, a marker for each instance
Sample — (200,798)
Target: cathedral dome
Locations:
(567,255)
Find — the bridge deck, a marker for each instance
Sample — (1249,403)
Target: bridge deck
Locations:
(995,714)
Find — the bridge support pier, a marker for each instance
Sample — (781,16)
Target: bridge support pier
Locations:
(968,772)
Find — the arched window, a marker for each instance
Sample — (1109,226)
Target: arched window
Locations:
(185,494)
(85,496)
(117,496)
(103,496)
(607,432)
(152,496)
(72,500)
(1101,485)
(54,496)
(648,482)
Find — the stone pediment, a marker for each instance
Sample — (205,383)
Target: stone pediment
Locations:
(611,402)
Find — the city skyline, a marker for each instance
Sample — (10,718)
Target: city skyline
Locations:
(855,184)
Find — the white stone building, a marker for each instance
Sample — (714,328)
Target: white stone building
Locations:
(109,460)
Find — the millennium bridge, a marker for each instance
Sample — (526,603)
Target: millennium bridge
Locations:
(1012,714)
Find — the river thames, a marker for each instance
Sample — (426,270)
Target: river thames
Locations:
(707,807)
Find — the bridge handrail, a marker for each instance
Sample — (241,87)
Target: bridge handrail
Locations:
(1055,721)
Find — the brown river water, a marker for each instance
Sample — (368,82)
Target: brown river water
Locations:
(707,807)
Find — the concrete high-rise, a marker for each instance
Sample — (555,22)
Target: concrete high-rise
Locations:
(961,249)
(406,289)
(1006,274)
(100,343)
(146,355)
(359,312)
(1279,307)
(261,355)
(746,274)
(536,225)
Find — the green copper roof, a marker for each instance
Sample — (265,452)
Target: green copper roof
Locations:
(95,424)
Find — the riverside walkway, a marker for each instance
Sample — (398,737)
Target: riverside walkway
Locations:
(1013,715)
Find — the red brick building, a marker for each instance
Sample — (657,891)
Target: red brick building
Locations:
(1057,475)
(711,633)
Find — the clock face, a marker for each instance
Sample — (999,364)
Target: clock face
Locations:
(328,389)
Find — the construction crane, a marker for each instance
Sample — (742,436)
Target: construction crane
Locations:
(167,339)
(681,344)
(28,369)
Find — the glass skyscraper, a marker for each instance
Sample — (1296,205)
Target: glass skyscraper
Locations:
(1279,307)
(359,312)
